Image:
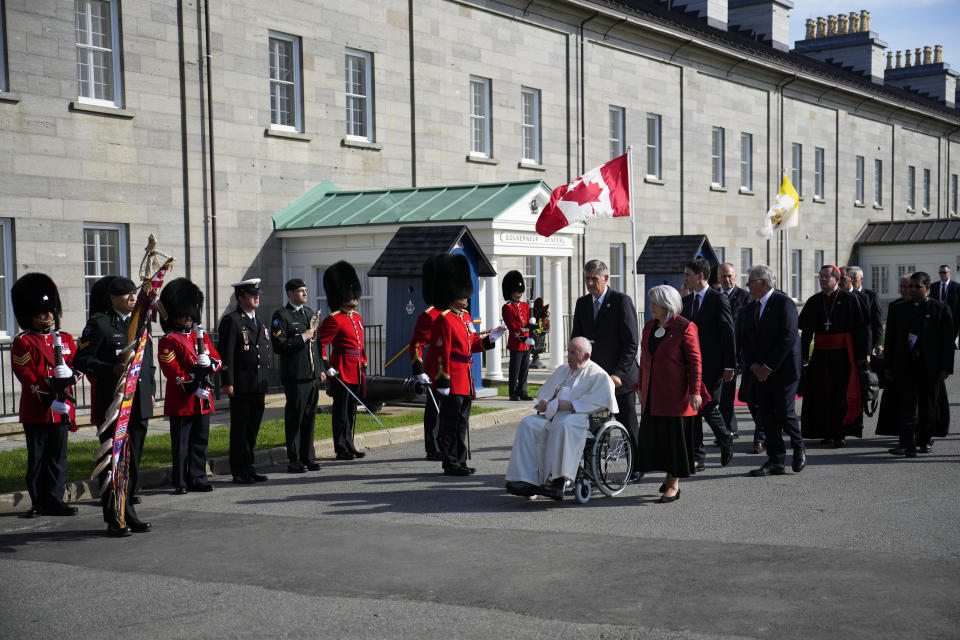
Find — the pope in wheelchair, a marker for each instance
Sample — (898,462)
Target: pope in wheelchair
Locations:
(548,449)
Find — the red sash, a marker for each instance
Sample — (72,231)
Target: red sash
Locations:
(835,342)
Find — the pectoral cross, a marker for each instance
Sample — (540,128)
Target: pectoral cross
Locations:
(827,324)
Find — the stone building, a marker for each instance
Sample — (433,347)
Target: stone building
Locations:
(200,120)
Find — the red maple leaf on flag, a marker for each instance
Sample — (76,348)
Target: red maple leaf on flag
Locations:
(583,193)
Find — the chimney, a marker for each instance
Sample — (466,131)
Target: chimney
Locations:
(847,42)
(928,74)
(770,19)
(713,11)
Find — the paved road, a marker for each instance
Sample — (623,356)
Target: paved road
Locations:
(857,546)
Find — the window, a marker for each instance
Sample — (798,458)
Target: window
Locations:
(878,182)
(617,130)
(716,156)
(818,260)
(911,187)
(530,106)
(721,254)
(926,190)
(7,322)
(653,146)
(905,270)
(480,117)
(533,276)
(953,194)
(104,253)
(358,71)
(286,85)
(746,161)
(616,266)
(746,261)
(365,308)
(796,171)
(818,172)
(796,273)
(880,279)
(98,52)
(858,198)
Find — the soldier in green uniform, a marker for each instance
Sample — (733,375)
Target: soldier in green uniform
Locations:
(244,345)
(301,371)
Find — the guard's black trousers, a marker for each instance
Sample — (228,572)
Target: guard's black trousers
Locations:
(188,443)
(298,419)
(246,413)
(46,463)
(519,368)
(344,416)
(454,423)
(431,423)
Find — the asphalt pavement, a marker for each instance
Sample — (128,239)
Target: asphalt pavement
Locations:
(859,545)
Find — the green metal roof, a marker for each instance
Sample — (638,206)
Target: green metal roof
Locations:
(324,206)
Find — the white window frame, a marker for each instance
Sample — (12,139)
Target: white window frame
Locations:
(819,258)
(746,261)
(796,170)
(746,161)
(365,99)
(858,184)
(617,266)
(297,83)
(481,143)
(716,157)
(533,276)
(953,194)
(818,172)
(88,50)
(654,123)
(926,190)
(122,262)
(530,125)
(8,323)
(796,274)
(880,279)
(911,188)
(616,131)
(878,182)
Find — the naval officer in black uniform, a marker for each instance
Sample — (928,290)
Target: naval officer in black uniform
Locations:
(301,371)
(245,348)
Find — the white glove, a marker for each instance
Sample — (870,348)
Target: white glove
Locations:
(203,394)
(62,371)
(424,378)
(60,407)
(552,407)
(331,372)
(530,341)
(496,334)
(444,391)
(532,324)
(203,360)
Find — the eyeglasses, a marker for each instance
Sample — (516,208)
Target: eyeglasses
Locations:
(754,280)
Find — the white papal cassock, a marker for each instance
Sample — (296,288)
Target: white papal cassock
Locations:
(546,448)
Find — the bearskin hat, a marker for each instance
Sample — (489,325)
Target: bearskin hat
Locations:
(100,295)
(179,297)
(512,283)
(34,293)
(427,275)
(452,280)
(341,284)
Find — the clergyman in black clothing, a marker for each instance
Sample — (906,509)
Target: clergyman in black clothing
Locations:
(710,311)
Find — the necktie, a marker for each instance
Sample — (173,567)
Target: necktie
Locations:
(943,292)
(756,317)
(596,308)
(696,306)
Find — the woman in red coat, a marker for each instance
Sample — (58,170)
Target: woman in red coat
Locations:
(671,391)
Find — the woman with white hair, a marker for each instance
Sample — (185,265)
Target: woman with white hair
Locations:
(671,391)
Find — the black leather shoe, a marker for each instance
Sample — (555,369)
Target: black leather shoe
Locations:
(838,443)
(906,453)
(927,448)
(202,487)
(522,489)
(514,398)
(663,488)
(799,460)
(296,468)
(673,498)
(138,526)
(526,397)
(242,480)
(456,471)
(435,457)
(179,491)
(313,466)
(259,477)
(118,532)
(768,470)
(135,500)
(345,456)
(554,490)
(59,510)
(726,453)
(758,448)
(33,512)
(735,434)
(699,466)
(359,454)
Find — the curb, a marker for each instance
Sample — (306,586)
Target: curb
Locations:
(79,490)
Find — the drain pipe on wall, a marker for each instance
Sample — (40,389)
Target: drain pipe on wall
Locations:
(213,171)
(184,155)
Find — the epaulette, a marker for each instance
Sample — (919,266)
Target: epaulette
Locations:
(443,313)
(428,309)
(336,312)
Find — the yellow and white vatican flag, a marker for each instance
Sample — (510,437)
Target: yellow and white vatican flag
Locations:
(785,212)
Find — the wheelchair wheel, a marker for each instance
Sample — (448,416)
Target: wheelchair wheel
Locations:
(582,490)
(612,460)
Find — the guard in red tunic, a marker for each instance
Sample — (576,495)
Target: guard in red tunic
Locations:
(418,344)
(516,317)
(46,403)
(453,341)
(188,361)
(343,330)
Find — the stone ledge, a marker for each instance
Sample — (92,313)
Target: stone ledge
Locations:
(113,112)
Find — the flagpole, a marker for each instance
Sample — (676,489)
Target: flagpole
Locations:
(633,227)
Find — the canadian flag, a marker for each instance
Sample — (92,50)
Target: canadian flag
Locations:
(603,192)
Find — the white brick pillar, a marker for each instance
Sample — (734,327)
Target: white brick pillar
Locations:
(558,341)
(492,319)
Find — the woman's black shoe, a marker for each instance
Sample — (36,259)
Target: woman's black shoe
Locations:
(673,498)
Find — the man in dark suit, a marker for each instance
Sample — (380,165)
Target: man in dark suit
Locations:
(947,292)
(919,354)
(244,344)
(869,297)
(710,311)
(608,319)
(98,351)
(738,299)
(770,346)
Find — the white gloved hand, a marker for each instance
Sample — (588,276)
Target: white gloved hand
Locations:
(203,394)
(532,323)
(62,371)
(60,407)
(203,360)
(552,407)
(496,334)
(444,392)
(331,372)
(424,378)
(530,341)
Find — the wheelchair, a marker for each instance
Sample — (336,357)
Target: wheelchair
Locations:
(607,460)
